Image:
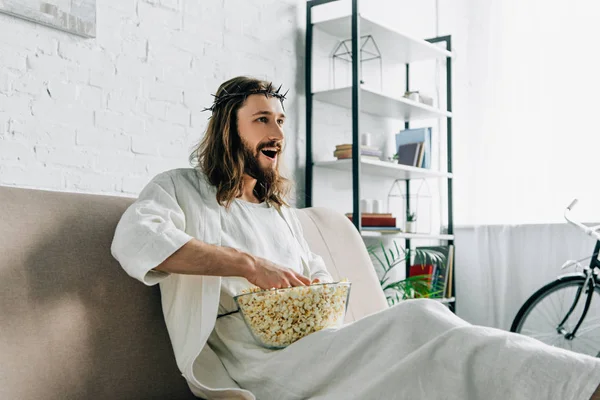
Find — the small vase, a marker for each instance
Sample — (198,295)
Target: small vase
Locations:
(389,148)
(410,226)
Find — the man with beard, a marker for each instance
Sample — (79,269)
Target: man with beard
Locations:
(209,232)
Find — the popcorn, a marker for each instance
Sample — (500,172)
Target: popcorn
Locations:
(279,317)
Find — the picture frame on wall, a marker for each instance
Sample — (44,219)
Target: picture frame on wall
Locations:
(73,16)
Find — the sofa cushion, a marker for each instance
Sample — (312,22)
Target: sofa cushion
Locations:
(73,325)
(332,236)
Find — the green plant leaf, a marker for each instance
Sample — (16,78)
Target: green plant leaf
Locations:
(380,262)
(385,254)
(392,257)
(411,287)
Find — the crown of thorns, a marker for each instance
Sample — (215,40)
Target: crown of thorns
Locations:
(226,96)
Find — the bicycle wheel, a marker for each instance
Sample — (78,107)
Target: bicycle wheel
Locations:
(541,314)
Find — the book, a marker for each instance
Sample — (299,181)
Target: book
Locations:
(348,153)
(449,273)
(349,146)
(371,215)
(377,221)
(408,154)
(417,135)
(384,229)
(421,156)
(441,261)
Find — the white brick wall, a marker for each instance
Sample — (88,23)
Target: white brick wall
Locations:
(104,115)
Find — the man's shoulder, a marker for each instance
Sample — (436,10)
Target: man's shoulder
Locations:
(291,212)
(180,176)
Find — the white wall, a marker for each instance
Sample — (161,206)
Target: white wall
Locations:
(107,114)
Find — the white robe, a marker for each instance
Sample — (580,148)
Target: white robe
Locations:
(261,231)
(173,208)
(417,349)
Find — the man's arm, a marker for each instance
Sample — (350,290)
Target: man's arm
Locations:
(150,241)
(199,258)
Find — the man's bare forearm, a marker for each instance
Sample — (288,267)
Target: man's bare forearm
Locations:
(199,258)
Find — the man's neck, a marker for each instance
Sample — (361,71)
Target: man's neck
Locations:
(248,189)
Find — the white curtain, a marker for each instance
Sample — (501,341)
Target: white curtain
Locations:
(500,266)
(529,145)
(530,139)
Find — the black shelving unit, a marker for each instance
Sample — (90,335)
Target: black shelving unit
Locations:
(356,111)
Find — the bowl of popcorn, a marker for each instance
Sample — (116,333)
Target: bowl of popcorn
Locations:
(279,317)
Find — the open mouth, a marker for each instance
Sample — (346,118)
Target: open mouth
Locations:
(269,153)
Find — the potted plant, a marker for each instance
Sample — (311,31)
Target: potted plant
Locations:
(410,287)
(411,222)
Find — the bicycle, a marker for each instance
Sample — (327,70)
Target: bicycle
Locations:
(563,308)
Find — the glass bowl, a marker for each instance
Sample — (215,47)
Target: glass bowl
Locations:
(279,317)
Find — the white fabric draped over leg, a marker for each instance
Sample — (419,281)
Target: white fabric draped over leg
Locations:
(416,350)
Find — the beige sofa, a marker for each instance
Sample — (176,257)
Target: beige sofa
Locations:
(73,325)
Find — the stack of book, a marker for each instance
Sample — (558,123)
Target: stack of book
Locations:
(344,151)
(376,219)
(414,147)
(439,269)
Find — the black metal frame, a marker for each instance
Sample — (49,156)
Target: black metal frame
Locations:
(356,167)
(591,283)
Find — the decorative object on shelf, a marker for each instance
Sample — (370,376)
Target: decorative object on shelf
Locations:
(344,151)
(414,147)
(369,51)
(411,287)
(78,17)
(366,205)
(414,96)
(419,97)
(421,205)
(411,221)
(390,150)
(378,206)
(365,139)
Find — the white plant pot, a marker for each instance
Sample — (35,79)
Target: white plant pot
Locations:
(410,226)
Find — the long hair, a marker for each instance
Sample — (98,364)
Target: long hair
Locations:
(221,156)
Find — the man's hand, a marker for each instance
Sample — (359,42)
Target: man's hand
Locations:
(267,275)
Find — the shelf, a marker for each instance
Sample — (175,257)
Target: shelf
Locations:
(395,46)
(373,232)
(383,168)
(382,105)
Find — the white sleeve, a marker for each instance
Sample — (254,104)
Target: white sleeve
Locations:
(317,268)
(316,265)
(149,231)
